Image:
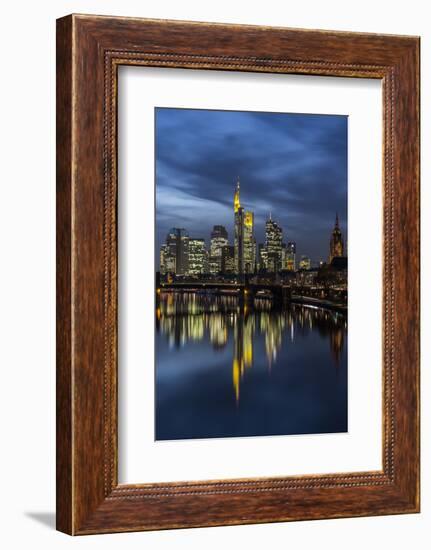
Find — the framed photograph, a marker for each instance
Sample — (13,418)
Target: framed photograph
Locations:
(237,274)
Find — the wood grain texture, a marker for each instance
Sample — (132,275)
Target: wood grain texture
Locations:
(64,497)
(90,49)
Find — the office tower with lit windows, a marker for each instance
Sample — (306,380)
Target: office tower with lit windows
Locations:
(228,260)
(197,264)
(177,242)
(262,257)
(283,256)
(290,259)
(305,263)
(274,239)
(244,241)
(336,244)
(249,246)
(164,251)
(167,260)
(239,231)
(219,239)
(214,264)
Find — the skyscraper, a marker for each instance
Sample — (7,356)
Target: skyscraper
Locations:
(177,242)
(305,262)
(274,239)
(262,257)
(219,239)
(249,243)
(167,260)
(197,257)
(244,242)
(290,262)
(239,231)
(336,244)
(228,260)
(213,265)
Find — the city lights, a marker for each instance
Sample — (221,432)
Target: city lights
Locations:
(184,257)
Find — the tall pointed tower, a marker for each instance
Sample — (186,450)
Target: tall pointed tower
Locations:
(336,245)
(239,231)
(236,201)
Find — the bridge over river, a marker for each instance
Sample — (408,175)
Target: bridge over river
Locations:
(247,291)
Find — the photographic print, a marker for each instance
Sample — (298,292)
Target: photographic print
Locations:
(251,274)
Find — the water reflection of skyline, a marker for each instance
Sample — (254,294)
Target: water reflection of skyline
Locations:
(183,318)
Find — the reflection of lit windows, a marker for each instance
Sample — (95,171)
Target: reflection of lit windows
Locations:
(192,317)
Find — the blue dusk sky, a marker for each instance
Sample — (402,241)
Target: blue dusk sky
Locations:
(293,166)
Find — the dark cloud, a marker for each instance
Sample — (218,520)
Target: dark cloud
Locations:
(293,165)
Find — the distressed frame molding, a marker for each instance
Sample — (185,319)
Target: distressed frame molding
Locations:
(89,51)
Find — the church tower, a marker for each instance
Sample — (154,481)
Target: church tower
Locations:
(336,245)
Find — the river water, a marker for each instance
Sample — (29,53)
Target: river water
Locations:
(229,370)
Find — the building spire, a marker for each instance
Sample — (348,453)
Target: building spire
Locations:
(336,245)
(236,201)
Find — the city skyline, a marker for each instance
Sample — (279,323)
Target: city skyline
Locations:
(183,254)
(302,191)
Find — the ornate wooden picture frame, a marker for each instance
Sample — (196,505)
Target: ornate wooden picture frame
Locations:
(89,51)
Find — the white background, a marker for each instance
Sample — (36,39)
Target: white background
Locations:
(27,232)
(141,458)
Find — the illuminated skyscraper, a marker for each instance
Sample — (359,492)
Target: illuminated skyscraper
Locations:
(336,245)
(228,260)
(177,242)
(274,239)
(167,260)
(262,257)
(290,261)
(305,263)
(249,243)
(214,264)
(283,256)
(197,257)
(239,231)
(244,243)
(164,251)
(219,239)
